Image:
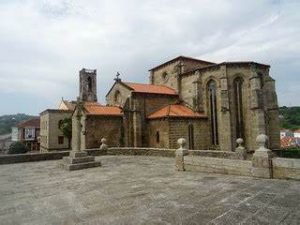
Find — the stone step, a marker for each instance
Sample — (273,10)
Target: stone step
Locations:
(70,160)
(79,166)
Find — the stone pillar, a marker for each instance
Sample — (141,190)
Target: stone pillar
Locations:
(257,106)
(262,159)
(241,150)
(78,159)
(180,153)
(225,134)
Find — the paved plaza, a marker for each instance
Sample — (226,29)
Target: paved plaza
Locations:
(140,190)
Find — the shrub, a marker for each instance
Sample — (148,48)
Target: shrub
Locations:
(17,148)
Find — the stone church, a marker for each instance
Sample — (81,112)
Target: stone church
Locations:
(209,104)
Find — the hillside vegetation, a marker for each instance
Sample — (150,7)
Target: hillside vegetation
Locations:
(8,121)
(290,117)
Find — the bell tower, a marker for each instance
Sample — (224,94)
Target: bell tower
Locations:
(88,85)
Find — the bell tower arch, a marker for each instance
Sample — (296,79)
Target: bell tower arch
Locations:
(88,85)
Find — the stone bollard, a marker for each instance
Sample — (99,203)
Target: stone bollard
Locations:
(180,153)
(241,150)
(103,145)
(262,159)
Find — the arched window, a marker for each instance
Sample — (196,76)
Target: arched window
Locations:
(118,97)
(89,83)
(60,122)
(213,112)
(238,100)
(191,136)
(157,137)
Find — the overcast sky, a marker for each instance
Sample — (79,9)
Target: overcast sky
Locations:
(44,43)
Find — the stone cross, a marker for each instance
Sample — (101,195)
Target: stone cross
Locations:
(78,126)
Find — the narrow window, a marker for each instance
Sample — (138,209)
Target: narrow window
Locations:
(60,122)
(212,95)
(60,140)
(89,83)
(191,136)
(157,137)
(238,96)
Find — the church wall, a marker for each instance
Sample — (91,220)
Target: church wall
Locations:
(158,127)
(143,106)
(124,94)
(178,128)
(97,127)
(171,70)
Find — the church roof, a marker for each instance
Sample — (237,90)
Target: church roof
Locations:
(67,105)
(94,108)
(181,58)
(150,88)
(176,110)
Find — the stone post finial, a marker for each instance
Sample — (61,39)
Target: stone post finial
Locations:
(103,145)
(240,150)
(262,141)
(182,143)
(180,153)
(262,159)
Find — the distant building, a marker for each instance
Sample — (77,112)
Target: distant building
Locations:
(286,133)
(52,137)
(297,133)
(28,132)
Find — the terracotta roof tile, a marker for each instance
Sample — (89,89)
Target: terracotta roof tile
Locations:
(34,122)
(176,110)
(94,108)
(151,89)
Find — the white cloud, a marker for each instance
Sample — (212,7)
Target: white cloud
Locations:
(44,43)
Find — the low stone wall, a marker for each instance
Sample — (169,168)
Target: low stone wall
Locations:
(214,153)
(218,165)
(142,151)
(31,157)
(284,168)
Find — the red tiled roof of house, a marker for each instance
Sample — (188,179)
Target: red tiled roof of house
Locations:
(94,108)
(176,110)
(150,88)
(34,122)
(286,142)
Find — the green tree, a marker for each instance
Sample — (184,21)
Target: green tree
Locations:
(66,127)
(17,148)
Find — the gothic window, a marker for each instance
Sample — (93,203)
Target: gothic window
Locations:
(157,137)
(212,100)
(89,83)
(191,136)
(238,98)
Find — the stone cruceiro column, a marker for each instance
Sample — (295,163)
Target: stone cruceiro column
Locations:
(241,150)
(78,159)
(262,159)
(180,153)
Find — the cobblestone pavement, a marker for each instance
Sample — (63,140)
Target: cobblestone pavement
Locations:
(140,190)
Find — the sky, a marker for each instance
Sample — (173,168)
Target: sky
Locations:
(44,43)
